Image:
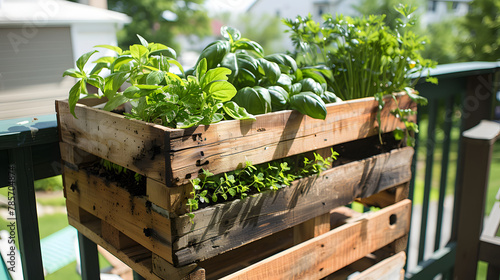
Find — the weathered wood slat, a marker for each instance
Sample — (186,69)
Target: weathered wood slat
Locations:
(304,199)
(172,156)
(142,265)
(133,144)
(388,269)
(329,252)
(114,205)
(279,135)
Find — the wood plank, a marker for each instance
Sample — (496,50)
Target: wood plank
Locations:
(165,270)
(278,135)
(234,260)
(311,228)
(493,221)
(75,156)
(114,205)
(322,255)
(143,266)
(225,226)
(388,269)
(133,144)
(172,199)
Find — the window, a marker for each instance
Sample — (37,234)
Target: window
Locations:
(431,6)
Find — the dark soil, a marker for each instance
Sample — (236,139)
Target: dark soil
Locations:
(125,179)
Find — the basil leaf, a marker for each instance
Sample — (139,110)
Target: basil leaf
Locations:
(189,121)
(222,91)
(113,83)
(309,104)
(295,89)
(73,73)
(279,98)
(139,53)
(74,96)
(155,77)
(330,97)
(230,33)
(256,100)
(236,112)
(143,41)
(109,47)
(201,68)
(214,53)
(309,84)
(82,60)
(245,44)
(132,92)
(114,102)
(283,61)
(285,82)
(270,69)
(214,75)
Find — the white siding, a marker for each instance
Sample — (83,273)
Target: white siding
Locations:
(31,70)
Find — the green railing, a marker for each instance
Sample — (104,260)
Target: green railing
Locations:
(464,96)
(29,150)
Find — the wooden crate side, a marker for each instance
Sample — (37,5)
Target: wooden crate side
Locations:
(130,215)
(226,145)
(350,180)
(323,255)
(226,226)
(136,145)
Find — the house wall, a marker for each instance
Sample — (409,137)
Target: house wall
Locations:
(31,70)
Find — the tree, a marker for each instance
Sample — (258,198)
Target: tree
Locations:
(444,38)
(161,20)
(384,7)
(483,31)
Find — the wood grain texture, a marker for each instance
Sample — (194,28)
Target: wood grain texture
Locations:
(388,269)
(130,215)
(225,226)
(172,156)
(132,144)
(134,257)
(311,228)
(322,255)
(172,199)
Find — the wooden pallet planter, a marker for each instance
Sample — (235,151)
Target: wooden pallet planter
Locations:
(153,235)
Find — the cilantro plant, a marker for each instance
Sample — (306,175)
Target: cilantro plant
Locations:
(154,91)
(364,56)
(274,175)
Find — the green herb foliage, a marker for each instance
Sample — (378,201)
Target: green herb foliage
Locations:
(274,175)
(155,92)
(266,83)
(363,57)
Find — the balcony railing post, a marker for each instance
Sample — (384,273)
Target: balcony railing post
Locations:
(25,210)
(89,261)
(477,151)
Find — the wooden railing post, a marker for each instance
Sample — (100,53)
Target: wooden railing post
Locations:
(477,151)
